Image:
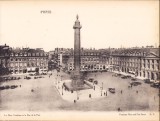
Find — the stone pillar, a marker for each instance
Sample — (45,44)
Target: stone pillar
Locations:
(77,55)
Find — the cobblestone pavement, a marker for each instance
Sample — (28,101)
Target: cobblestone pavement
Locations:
(41,95)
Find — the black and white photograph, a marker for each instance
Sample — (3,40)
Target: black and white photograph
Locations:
(79,60)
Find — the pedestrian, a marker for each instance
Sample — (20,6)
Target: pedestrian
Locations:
(121,91)
(104,93)
(119,109)
(74,101)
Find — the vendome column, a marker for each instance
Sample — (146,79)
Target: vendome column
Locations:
(77,82)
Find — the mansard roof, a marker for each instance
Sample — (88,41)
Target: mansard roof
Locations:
(136,52)
(27,50)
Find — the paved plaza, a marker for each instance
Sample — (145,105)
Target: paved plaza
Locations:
(41,95)
(80,95)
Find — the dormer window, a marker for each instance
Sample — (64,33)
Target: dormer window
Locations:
(33,54)
(29,54)
(21,54)
(37,54)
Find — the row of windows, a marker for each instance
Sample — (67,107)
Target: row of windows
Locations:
(153,61)
(132,54)
(90,54)
(149,66)
(84,65)
(34,59)
(135,64)
(27,64)
(125,59)
(124,62)
(29,54)
(136,60)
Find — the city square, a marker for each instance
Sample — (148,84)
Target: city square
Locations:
(46,97)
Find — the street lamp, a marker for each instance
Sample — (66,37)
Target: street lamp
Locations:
(77,95)
(101,88)
(62,89)
(101,92)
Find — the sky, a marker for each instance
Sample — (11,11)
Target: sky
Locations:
(105,24)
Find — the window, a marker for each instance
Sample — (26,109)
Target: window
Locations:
(20,64)
(157,62)
(144,60)
(33,54)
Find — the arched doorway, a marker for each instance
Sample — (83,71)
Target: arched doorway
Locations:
(127,70)
(156,76)
(143,73)
(152,76)
(122,69)
(104,67)
(148,75)
(136,74)
(88,66)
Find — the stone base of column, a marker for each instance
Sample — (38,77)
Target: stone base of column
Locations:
(77,80)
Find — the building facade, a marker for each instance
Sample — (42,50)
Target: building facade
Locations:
(142,62)
(91,60)
(28,60)
(139,62)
